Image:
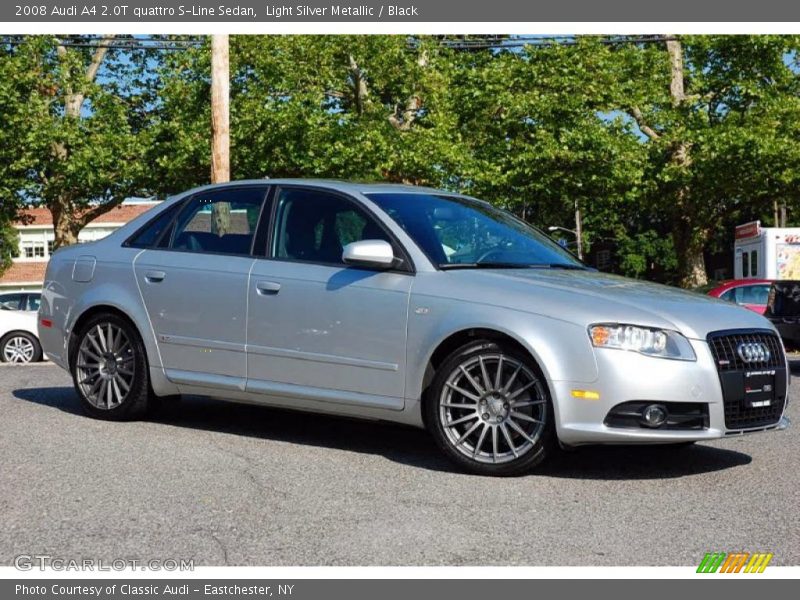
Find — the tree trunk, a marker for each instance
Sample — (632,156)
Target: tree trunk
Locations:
(689,241)
(220,109)
(689,246)
(66,230)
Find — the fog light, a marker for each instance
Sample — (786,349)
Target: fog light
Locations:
(654,415)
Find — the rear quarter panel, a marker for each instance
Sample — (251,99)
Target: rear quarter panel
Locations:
(66,298)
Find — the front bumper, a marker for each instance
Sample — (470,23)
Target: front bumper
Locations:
(629,376)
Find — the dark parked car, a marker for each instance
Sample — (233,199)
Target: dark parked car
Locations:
(783,309)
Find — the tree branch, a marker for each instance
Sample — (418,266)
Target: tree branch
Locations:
(97,57)
(676,85)
(637,115)
(74,101)
(98,210)
(359,83)
(404,116)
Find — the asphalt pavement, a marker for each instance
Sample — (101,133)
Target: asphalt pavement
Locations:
(227,484)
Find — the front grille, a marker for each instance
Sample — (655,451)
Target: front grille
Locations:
(732,369)
(737,416)
(723,347)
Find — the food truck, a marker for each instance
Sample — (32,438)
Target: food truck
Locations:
(766,252)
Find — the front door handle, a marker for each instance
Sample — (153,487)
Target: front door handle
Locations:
(268,288)
(154,276)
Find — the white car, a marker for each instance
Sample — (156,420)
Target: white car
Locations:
(19,341)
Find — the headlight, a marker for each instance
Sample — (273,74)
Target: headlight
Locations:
(644,340)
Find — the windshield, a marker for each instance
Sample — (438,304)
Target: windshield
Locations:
(458,232)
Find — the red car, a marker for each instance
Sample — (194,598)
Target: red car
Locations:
(750,293)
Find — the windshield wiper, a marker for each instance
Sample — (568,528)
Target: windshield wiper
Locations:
(565,266)
(482,265)
(507,265)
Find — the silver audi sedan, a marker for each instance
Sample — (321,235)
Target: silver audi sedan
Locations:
(403,304)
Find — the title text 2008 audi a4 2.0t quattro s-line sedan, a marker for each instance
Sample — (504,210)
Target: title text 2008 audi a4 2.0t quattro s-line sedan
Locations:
(402,304)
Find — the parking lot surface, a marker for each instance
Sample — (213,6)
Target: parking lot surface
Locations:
(228,484)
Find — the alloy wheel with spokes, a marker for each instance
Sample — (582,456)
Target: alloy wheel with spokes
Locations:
(492,410)
(20,348)
(105,365)
(109,368)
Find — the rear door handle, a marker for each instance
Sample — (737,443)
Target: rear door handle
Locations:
(154,276)
(268,288)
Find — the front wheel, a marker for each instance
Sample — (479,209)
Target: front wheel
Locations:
(490,411)
(109,369)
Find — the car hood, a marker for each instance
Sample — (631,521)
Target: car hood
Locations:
(586,297)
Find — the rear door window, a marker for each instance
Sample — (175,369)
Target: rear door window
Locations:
(221,221)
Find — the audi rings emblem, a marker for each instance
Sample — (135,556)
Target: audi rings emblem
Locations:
(751,352)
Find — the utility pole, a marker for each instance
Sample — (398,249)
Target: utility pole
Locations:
(220,109)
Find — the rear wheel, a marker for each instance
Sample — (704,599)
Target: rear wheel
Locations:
(109,369)
(20,347)
(490,411)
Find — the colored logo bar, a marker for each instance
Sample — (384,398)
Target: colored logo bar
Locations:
(735,562)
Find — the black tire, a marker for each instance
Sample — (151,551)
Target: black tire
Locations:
(137,399)
(36,356)
(493,411)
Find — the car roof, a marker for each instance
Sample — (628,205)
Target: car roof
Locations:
(361,187)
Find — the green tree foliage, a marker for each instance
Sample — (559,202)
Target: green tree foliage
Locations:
(720,116)
(74,129)
(663,146)
(545,139)
(9,242)
(363,107)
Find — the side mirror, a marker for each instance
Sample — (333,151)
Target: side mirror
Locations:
(369,253)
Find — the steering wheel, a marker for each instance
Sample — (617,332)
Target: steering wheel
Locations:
(489,253)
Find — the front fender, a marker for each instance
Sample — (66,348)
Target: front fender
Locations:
(561,349)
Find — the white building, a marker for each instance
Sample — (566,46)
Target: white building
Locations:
(36,237)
